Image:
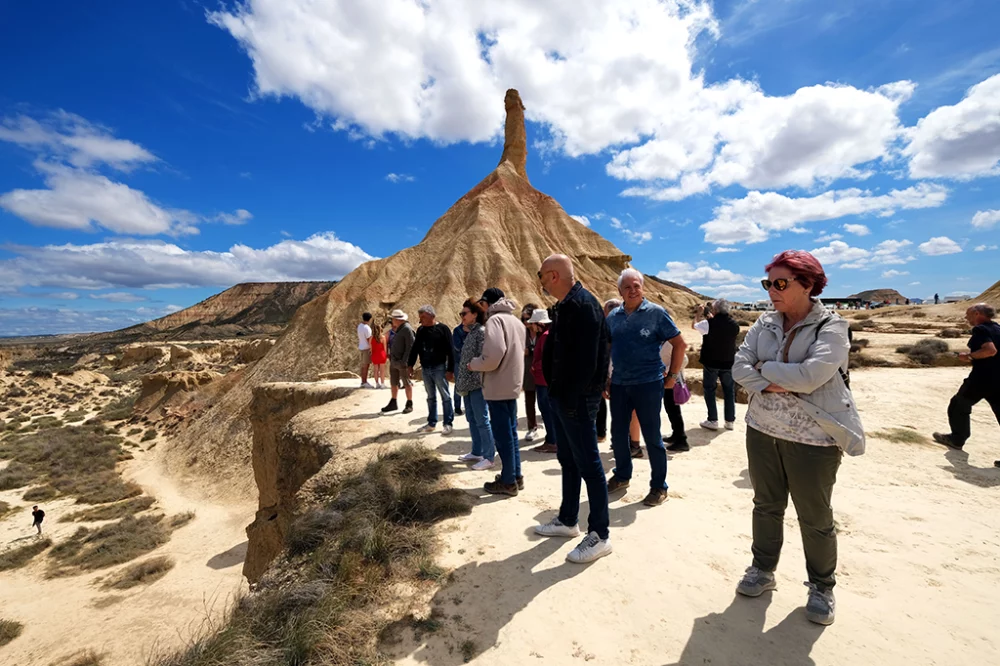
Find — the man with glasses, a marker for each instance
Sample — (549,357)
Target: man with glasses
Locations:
(638,330)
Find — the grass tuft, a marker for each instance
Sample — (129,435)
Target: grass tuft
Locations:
(16,558)
(901,435)
(141,573)
(9,630)
(83,658)
(111,544)
(113,511)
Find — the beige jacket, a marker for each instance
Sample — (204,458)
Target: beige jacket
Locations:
(502,359)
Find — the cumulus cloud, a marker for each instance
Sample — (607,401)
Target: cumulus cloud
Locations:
(985,219)
(399,178)
(839,252)
(237,217)
(735,292)
(825,238)
(582,219)
(940,245)
(685,273)
(138,264)
(857,229)
(892,252)
(53,321)
(892,273)
(759,215)
(961,141)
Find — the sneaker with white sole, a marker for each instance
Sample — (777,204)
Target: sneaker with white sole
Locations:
(709,425)
(485,463)
(469,458)
(730,425)
(532,434)
(554,528)
(427,428)
(820,606)
(591,548)
(367,385)
(447,430)
(756,582)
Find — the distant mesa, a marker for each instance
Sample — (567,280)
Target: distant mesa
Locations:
(880,296)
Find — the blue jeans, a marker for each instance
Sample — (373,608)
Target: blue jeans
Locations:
(645,400)
(479,425)
(503,423)
(458,402)
(580,460)
(712,377)
(435,382)
(548,418)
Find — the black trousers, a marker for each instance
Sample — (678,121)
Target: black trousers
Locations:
(960,409)
(602,418)
(675,416)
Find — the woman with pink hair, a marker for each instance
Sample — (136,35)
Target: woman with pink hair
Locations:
(800,421)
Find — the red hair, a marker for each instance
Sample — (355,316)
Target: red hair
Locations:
(805,267)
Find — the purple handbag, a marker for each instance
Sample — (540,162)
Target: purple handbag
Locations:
(681,391)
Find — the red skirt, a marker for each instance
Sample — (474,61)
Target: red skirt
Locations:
(378,353)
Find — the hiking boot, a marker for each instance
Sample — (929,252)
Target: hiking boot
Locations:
(447,430)
(427,428)
(730,425)
(756,582)
(409,407)
(391,407)
(554,528)
(547,447)
(497,488)
(677,447)
(635,450)
(821,606)
(469,458)
(996,463)
(615,484)
(483,464)
(518,479)
(941,438)
(591,548)
(656,497)
(709,425)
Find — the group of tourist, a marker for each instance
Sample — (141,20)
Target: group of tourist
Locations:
(580,360)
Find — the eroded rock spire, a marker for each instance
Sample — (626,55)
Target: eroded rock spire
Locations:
(515,140)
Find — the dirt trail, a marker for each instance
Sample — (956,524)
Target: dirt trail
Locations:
(60,616)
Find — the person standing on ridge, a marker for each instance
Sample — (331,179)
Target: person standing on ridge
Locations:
(502,362)
(401,339)
(718,350)
(983,383)
(365,347)
(37,516)
(433,346)
(575,365)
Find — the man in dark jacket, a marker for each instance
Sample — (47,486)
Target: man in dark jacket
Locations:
(575,366)
(434,347)
(37,516)
(718,351)
(401,342)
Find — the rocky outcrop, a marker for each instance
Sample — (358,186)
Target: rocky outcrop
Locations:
(5,359)
(254,351)
(515,139)
(180,354)
(160,386)
(137,354)
(338,374)
(283,459)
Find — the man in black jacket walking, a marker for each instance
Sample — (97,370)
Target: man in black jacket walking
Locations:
(575,365)
(433,346)
(718,351)
(37,516)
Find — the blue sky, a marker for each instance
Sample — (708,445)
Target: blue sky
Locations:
(152,154)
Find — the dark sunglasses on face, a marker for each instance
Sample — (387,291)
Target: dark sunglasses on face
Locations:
(780,284)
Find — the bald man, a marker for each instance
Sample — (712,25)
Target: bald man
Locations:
(575,365)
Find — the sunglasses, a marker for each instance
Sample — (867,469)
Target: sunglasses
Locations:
(463,313)
(780,284)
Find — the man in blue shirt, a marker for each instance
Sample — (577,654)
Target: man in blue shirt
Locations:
(638,330)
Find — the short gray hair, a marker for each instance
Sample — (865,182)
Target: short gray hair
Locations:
(428,310)
(611,304)
(630,272)
(720,306)
(985,309)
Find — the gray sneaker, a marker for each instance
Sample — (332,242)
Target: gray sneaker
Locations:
(821,606)
(756,582)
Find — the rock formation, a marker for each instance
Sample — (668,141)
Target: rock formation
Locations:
(283,459)
(879,296)
(991,296)
(515,139)
(158,387)
(137,354)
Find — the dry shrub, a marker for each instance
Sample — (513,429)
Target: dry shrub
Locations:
(949,333)
(110,511)
(904,349)
(866,325)
(82,658)
(106,546)
(901,435)
(75,415)
(861,342)
(860,360)
(16,558)
(40,494)
(919,315)
(862,315)
(118,410)
(926,351)
(9,630)
(141,573)
(4,508)
(318,604)
(148,435)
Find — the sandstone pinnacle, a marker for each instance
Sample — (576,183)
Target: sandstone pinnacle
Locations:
(515,139)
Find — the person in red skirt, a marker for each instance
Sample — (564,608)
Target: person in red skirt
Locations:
(379,358)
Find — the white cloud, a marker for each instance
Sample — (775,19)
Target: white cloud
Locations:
(984,248)
(736,292)
(238,216)
(758,215)
(170,309)
(960,141)
(52,321)
(723,250)
(582,219)
(119,297)
(637,237)
(399,178)
(685,273)
(940,245)
(914,284)
(137,264)
(825,238)
(839,252)
(889,252)
(857,229)
(892,273)
(985,219)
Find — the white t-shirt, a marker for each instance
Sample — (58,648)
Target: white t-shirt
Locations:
(364,336)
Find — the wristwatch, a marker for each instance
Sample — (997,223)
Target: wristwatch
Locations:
(671,375)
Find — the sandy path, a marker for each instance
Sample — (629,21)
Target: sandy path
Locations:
(59,615)
(918,577)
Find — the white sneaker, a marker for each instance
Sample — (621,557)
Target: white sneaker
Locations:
(469,458)
(447,430)
(427,428)
(483,464)
(730,425)
(556,528)
(532,434)
(367,385)
(709,425)
(591,548)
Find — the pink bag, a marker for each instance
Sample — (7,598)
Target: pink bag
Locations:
(681,391)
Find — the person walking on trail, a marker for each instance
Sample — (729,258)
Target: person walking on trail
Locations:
(502,362)
(379,356)
(433,346)
(37,516)
(575,365)
(801,419)
(458,336)
(718,350)
(983,383)
(638,330)
(469,384)
(602,408)
(401,339)
(540,322)
(365,347)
